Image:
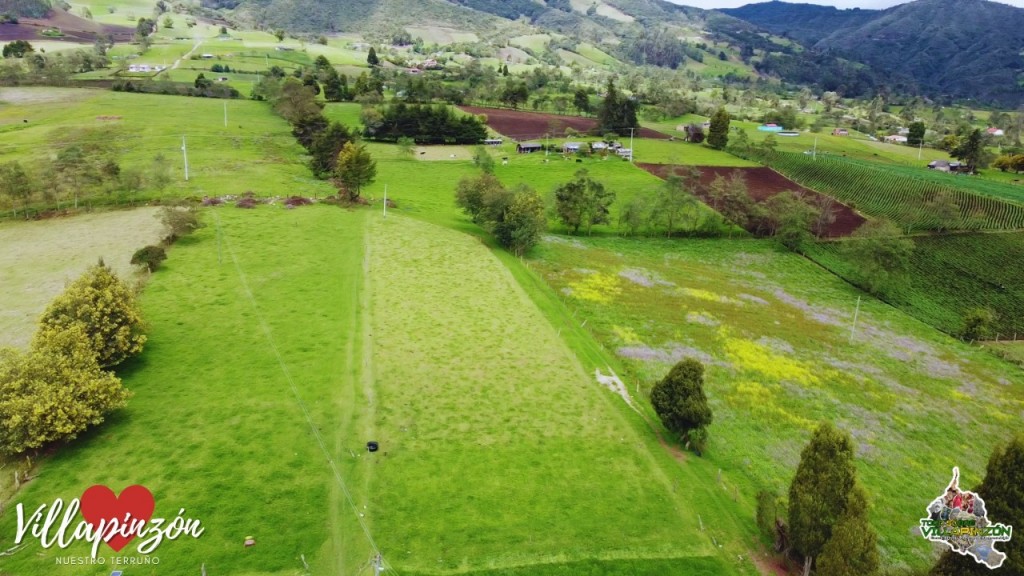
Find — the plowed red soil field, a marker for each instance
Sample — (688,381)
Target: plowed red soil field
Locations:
(763,183)
(520,125)
(74,28)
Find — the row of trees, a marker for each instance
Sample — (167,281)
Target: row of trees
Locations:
(63,383)
(83,171)
(425,124)
(515,216)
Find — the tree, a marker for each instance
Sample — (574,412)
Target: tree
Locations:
(522,222)
(325,147)
(635,213)
(17,49)
(149,256)
(407,147)
(769,144)
(16,184)
(279,34)
(335,85)
(355,168)
(730,197)
(791,219)
(820,491)
(581,101)
(105,309)
(202,82)
(970,150)
(679,398)
(372,58)
(144,27)
(616,113)
(514,93)
(853,548)
(54,391)
(674,203)
(1004,504)
(979,324)
(178,222)
(878,252)
(583,202)
(296,102)
(476,196)
(168,22)
(718,133)
(483,160)
(915,136)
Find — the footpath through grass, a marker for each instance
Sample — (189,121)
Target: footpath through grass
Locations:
(214,426)
(498,449)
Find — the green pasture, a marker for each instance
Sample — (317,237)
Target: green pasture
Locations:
(238,328)
(595,54)
(348,113)
(536,42)
(685,153)
(774,331)
(40,258)
(255,151)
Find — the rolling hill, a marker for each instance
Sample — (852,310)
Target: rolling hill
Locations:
(946,49)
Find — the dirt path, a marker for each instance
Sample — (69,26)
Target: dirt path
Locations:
(199,42)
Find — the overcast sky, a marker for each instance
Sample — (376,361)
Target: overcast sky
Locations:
(874,4)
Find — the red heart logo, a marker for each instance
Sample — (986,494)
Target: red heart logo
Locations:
(100,504)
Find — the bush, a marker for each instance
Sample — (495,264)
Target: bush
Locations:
(246,202)
(181,221)
(680,402)
(104,308)
(293,201)
(53,392)
(150,257)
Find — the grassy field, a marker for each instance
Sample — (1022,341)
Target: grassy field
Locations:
(214,425)
(255,151)
(39,258)
(774,331)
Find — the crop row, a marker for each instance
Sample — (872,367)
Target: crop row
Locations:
(914,203)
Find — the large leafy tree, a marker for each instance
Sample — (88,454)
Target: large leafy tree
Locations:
(583,202)
(820,491)
(674,205)
(54,391)
(15,184)
(355,168)
(1003,493)
(915,136)
(970,150)
(325,148)
(616,113)
(718,133)
(679,398)
(522,222)
(104,308)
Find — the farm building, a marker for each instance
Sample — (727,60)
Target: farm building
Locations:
(896,139)
(625,153)
(571,147)
(946,166)
(529,147)
(493,141)
(598,146)
(145,67)
(840,132)
(994,132)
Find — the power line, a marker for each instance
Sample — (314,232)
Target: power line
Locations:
(298,398)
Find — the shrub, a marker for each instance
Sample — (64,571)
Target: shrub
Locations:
(245,202)
(181,221)
(149,256)
(294,201)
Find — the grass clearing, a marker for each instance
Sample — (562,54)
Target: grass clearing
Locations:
(774,332)
(40,258)
(492,428)
(214,426)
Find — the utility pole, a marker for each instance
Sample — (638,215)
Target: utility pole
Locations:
(184,154)
(385,200)
(920,147)
(225,113)
(377,567)
(855,314)
(631,145)
(814,155)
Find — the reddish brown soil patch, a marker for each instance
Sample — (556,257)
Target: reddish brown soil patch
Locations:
(520,125)
(763,183)
(768,565)
(75,29)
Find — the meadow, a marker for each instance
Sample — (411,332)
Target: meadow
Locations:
(777,337)
(39,258)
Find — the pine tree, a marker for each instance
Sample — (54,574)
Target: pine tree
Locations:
(820,490)
(679,398)
(1002,490)
(105,309)
(372,58)
(718,133)
(853,548)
